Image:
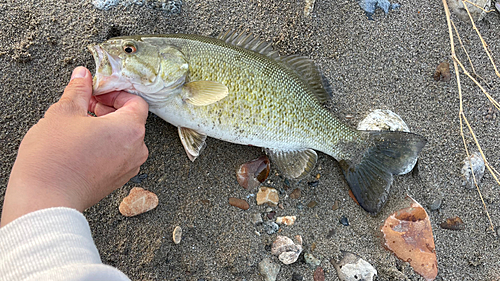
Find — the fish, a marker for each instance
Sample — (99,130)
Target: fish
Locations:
(238,89)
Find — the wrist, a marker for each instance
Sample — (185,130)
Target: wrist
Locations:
(25,196)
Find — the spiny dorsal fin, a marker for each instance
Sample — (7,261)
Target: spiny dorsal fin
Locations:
(249,42)
(306,68)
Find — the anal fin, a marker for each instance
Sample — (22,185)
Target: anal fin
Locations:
(294,164)
(192,141)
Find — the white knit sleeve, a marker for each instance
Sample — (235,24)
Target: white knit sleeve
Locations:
(52,244)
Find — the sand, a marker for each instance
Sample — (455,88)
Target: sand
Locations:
(387,63)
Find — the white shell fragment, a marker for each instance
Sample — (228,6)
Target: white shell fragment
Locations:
(288,220)
(287,251)
(477,162)
(383,120)
(177,235)
(354,268)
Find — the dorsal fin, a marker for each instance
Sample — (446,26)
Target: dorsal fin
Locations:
(306,68)
(249,42)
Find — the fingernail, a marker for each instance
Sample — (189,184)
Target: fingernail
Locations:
(79,72)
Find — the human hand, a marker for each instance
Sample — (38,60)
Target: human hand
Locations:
(71,159)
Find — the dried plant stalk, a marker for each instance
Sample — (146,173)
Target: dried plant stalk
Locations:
(463,118)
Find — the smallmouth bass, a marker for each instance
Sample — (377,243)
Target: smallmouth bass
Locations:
(237,89)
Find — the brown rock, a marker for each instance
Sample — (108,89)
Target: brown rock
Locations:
(408,234)
(295,193)
(319,274)
(240,203)
(267,195)
(137,202)
(252,173)
(442,72)
(454,223)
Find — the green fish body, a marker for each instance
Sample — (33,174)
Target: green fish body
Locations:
(237,89)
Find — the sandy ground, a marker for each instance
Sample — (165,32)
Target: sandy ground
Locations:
(387,63)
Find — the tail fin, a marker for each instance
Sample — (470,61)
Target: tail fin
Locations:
(388,154)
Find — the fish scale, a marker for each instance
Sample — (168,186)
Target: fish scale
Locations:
(296,120)
(237,89)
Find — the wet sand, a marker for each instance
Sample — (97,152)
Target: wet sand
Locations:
(387,63)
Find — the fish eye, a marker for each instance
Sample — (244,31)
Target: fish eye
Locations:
(129,49)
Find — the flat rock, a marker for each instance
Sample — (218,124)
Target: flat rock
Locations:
(287,251)
(137,202)
(353,268)
(287,220)
(267,195)
(268,269)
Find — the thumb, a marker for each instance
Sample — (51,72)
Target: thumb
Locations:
(79,91)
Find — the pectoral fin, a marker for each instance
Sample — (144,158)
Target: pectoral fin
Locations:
(294,164)
(201,93)
(192,141)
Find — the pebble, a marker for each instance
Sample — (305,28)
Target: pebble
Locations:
(240,203)
(312,204)
(353,268)
(177,235)
(319,274)
(271,215)
(287,251)
(271,227)
(442,72)
(297,277)
(313,183)
(137,202)
(435,204)
(252,173)
(408,234)
(139,178)
(478,167)
(454,223)
(457,8)
(369,6)
(267,195)
(287,220)
(295,193)
(268,269)
(344,221)
(336,205)
(311,260)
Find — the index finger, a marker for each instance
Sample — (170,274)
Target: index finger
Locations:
(126,103)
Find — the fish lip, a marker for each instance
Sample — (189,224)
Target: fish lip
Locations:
(104,83)
(98,55)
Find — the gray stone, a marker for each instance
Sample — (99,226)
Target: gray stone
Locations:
(271,227)
(312,261)
(268,269)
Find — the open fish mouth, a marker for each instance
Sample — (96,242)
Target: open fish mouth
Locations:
(108,69)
